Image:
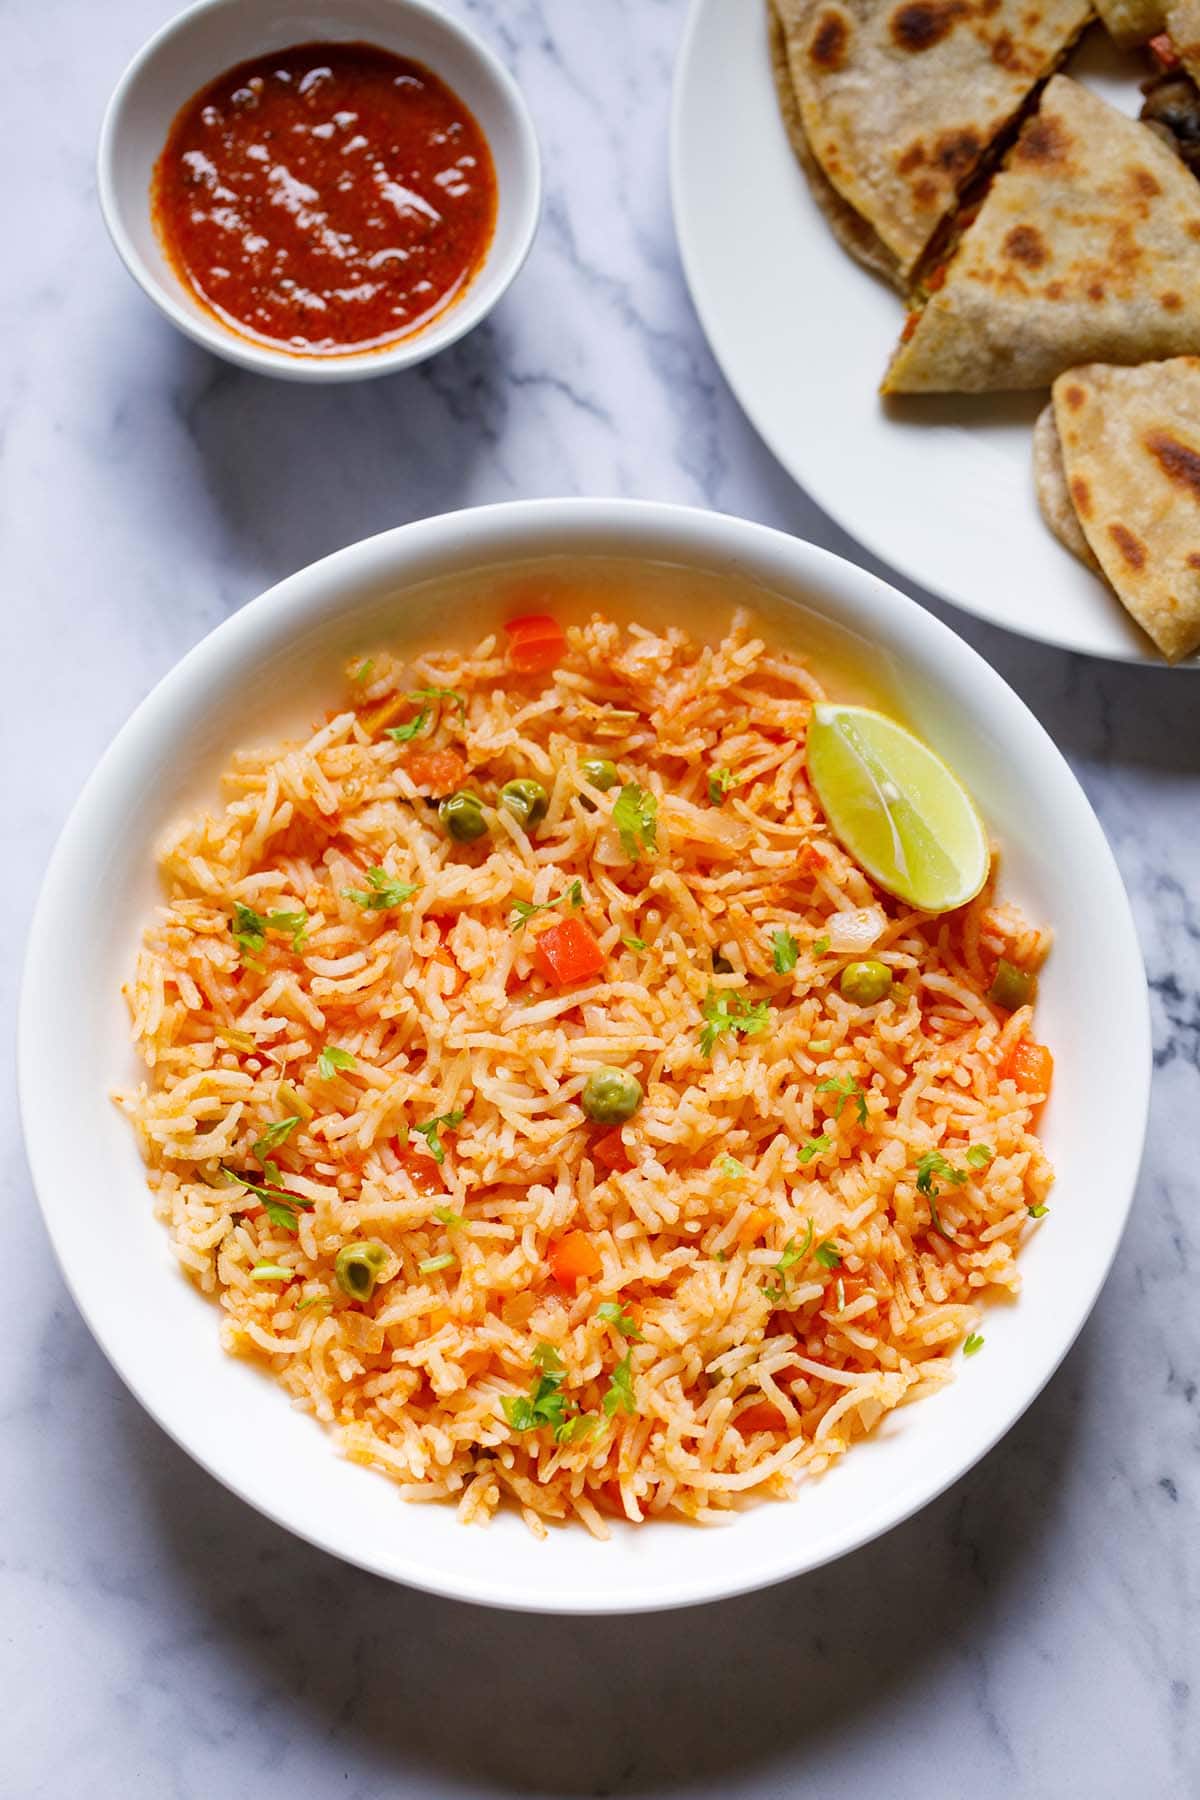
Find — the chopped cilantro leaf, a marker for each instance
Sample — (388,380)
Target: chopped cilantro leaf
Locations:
(250,930)
(846,1088)
(819,946)
(815,1147)
(524,910)
(973,1344)
(333,1058)
(613,1313)
(633,943)
(934,1163)
(785,952)
(547,1358)
(734,1013)
(719,784)
(458,698)
(828,1255)
(732,1169)
(313,1300)
(431,1132)
(381,892)
(569,1431)
(544,1404)
(635,815)
(1039,1212)
(274,1135)
(619,1395)
(979,1156)
(404,734)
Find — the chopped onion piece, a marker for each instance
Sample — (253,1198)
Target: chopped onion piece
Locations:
(850,933)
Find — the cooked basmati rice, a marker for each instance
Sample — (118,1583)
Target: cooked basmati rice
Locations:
(778,1299)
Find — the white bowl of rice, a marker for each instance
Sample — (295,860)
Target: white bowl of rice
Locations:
(829,1245)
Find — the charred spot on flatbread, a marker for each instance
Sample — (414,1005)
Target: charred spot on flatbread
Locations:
(1131,547)
(1074,397)
(1081,494)
(1025,244)
(1044,142)
(1143,182)
(957,151)
(918,25)
(1170,301)
(1178,462)
(830,41)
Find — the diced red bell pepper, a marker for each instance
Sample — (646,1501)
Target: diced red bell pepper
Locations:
(536,641)
(568,952)
(1030,1065)
(762,1416)
(1163,51)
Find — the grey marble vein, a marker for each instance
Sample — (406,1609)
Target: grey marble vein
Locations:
(1034,1633)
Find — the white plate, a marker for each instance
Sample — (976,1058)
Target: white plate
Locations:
(940,487)
(278,655)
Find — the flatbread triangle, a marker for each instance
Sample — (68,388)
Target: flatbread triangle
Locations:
(901,100)
(1086,248)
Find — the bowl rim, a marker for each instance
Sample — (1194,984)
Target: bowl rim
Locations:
(209,332)
(723,541)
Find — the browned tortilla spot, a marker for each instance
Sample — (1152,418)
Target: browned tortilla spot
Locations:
(1143,181)
(1131,547)
(1024,244)
(1192,559)
(1081,494)
(956,151)
(911,159)
(1178,462)
(926,193)
(920,24)
(829,41)
(1074,397)
(1095,291)
(1043,141)
(1054,290)
(1170,301)
(1006,55)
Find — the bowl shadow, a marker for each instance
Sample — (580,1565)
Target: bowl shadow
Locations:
(450,1693)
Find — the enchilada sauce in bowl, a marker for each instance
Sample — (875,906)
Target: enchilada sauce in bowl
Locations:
(326,199)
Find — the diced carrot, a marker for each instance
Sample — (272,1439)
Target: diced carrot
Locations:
(536,641)
(762,1416)
(389,711)
(752,1228)
(441,771)
(421,1170)
(441,1315)
(1163,51)
(573,1258)
(568,952)
(612,1153)
(1030,1065)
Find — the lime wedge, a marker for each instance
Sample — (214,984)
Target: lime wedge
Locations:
(896,808)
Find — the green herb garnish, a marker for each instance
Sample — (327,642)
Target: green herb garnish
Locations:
(313,1300)
(431,1132)
(828,1255)
(432,1264)
(814,1147)
(274,1135)
(458,698)
(732,1169)
(846,1088)
(446,1215)
(979,1156)
(634,943)
(734,1013)
(785,952)
(404,734)
(524,910)
(280,1204)
(613,1313)
(1039,1211)
(819,946)
(619,1397)
(635,815)
(545,1404)
(973,1344)
(719,784)
(381,892)
(933,1163)
(364,669)
(250,930)
(333,1058)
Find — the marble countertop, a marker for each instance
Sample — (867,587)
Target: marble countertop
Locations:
(1035,1632)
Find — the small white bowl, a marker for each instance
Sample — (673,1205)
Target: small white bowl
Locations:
(271,667)
(215,35)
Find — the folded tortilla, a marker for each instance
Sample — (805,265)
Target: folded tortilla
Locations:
(1183,27)
(900,100)
(1130,445)
(1086,248)
(1131,21)
(848,227)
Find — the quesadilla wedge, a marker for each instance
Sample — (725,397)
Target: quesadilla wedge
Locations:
(900,99)
(1086,247)
(1131,456)
(1130,22)
(849,228)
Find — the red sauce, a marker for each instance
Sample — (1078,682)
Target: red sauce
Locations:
(327,198)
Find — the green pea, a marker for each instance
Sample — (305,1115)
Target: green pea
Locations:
(462,815)
(527,801)
(866,982)
(610,1096)
(357,1268)
(1011,987)
(598,772)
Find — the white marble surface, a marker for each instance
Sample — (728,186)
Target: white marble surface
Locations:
(1035,1631)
